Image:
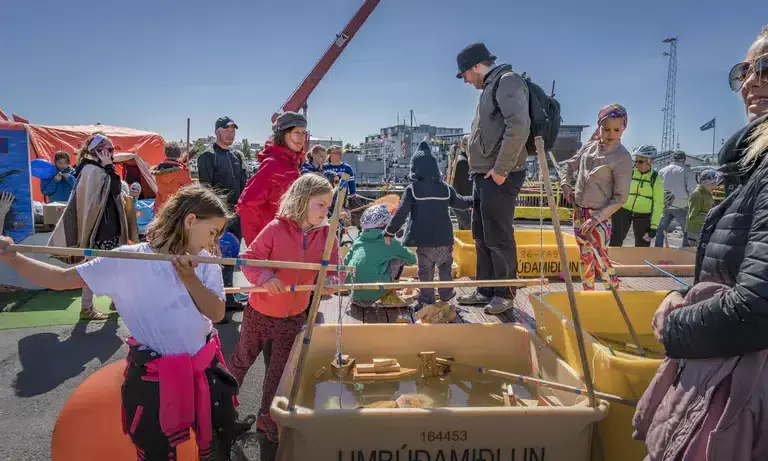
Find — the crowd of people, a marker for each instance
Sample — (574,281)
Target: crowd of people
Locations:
(282,213)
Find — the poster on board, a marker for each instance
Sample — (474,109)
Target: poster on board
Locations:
(16,219)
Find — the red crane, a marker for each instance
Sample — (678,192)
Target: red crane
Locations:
(298,99)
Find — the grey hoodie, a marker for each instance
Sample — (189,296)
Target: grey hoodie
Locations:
(498,137)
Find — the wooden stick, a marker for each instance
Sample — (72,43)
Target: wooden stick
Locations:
(543,382)
(566,273)
(86,252)
(310,326)
(612,287)
(397,286)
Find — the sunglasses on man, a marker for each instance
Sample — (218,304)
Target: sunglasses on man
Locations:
(741,72)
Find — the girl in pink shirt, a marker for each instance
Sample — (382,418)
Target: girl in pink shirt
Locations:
(298,234)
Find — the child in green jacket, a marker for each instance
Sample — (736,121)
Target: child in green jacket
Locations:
(377,261)
(699,204)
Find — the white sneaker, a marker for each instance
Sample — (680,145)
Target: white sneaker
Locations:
(499,305)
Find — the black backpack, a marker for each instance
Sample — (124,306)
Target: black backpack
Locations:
(544,111)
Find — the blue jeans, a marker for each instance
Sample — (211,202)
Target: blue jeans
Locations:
(670,214)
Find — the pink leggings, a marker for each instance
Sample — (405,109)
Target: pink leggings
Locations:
(256,330)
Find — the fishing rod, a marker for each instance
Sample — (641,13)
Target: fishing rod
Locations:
(93,253)
(399,285)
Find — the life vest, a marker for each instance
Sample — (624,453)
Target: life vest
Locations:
(641,192)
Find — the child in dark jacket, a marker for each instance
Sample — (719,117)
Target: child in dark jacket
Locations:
(376,261)
(429,229)
(59,187)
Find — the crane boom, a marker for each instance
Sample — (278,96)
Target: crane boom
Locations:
(298,99)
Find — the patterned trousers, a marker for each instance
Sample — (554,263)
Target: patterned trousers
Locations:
(593,250)
(256,330)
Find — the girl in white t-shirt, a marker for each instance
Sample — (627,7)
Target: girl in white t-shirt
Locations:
(168,307)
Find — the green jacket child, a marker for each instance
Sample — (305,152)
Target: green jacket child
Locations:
(373,258)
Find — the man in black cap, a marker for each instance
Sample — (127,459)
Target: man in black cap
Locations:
(223,169)
(496,154)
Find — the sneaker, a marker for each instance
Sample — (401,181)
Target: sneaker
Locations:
(241,297)
(92,314)
(266,425)
(473,299)
(450,298)
(392,300)
(499,305)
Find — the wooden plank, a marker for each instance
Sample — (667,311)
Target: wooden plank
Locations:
(329,310)
(352,314)
(374,315)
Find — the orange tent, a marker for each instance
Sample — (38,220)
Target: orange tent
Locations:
(47,140)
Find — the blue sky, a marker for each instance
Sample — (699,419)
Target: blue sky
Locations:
(151,64)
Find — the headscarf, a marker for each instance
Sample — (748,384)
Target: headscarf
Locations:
(375,217)
(96,141)
(612,111)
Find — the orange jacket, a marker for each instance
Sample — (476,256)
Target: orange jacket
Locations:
(170,176)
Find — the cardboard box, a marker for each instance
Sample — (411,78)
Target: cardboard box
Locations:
(52,212)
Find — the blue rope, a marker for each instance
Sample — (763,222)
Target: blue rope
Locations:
(667,274)
(324,263)
(88,252)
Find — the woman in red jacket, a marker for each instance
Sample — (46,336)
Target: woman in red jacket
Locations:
(278,169)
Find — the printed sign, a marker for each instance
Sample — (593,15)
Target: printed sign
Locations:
(16,220)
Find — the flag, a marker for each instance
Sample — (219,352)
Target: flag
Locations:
(3,116)
(709,125)
(18,119)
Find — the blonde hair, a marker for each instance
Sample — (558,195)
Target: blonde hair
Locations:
(295,202)
(760,45)
(166,231)
(758,146)
(315,149)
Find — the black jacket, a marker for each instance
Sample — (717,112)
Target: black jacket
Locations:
(461,180)
(733,250)
(427,201)
(223,170)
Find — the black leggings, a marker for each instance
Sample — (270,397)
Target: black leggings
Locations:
(622,219)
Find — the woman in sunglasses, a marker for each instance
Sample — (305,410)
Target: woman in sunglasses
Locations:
(709,400)
(95,214)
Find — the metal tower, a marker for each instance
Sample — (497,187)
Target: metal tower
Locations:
(668,130)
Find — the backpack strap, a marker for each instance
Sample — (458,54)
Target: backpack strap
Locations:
(654,176)
(496,107)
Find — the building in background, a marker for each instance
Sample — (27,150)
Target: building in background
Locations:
(326,142)
(568,141)
(401,141)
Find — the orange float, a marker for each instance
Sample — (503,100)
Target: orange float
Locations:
(89,427)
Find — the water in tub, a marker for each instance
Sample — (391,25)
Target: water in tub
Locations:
(461,387)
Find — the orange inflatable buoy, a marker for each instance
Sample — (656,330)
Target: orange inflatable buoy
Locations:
(90,428)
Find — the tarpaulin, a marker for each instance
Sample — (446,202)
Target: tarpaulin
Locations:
(47,140)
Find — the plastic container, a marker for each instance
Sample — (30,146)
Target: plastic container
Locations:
(613,371)
(528,245)
(629,262)
(498,433)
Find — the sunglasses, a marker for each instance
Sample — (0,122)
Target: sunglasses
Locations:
(641,162)
(741,72)
(111,150)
